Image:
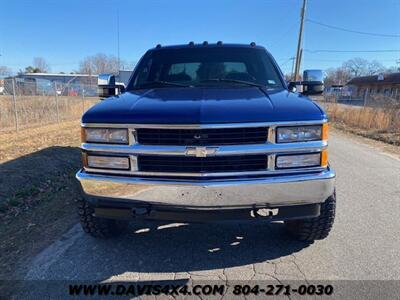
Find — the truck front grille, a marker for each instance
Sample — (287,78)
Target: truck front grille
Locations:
(184,164)
(202,137)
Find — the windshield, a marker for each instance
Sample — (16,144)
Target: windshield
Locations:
(188,67)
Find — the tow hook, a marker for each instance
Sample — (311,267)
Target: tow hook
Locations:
(264,212)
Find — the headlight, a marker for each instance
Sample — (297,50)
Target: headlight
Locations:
(298,161)
(105,135)
(108,162)
(302,133)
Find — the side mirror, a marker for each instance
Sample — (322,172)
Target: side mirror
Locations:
(312,83)
(107,87)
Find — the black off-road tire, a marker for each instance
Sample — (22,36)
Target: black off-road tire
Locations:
(96,227)
(318,228)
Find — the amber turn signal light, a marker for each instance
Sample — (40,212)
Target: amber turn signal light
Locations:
(324,158)
(83,135)
(325,129)
(84,159)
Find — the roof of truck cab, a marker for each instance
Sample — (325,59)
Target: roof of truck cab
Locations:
(210,45)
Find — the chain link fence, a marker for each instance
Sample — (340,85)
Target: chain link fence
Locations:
(387,99)
(25,104)
(377,113)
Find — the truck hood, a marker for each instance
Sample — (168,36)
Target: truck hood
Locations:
(203,106)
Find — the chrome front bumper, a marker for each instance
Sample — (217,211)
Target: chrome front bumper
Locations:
(273,191)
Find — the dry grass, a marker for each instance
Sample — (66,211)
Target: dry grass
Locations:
(365,117)
(377,123)
(34,111)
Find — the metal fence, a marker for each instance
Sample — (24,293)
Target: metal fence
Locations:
(378,100)
(377,113)
(29,104)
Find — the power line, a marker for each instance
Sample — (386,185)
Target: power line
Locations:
(351,51)
(284,35)
(341,60)
(353,31)
(284,62)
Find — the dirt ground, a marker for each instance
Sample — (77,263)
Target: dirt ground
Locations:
(37,191)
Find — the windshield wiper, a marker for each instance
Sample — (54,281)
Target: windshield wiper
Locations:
(233,81)
(164,83)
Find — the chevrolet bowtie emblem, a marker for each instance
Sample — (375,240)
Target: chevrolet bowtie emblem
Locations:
(201,151)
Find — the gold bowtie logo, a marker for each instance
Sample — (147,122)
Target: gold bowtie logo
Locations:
(201,151)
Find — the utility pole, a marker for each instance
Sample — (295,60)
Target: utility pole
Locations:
(300,42)
(119,61)
(292,73)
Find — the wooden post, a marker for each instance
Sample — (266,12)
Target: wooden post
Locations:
(15,105)
(57,108)
(83,100)
(366,96)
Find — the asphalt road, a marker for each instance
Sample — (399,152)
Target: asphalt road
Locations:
(364,243)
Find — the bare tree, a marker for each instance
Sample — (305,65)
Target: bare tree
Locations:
(5,71)
(337,76)
(99,63)
(29,69)
(394,69)
(41,64)
(125,65)
(361,67)
(288,77)
(356,66)
(375,67)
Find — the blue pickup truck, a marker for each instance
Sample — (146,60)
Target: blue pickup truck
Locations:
(207,132)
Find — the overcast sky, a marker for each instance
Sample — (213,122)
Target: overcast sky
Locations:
(65,31)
